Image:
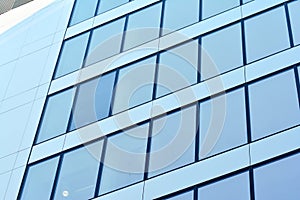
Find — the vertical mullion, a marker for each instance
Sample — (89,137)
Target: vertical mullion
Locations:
(297,78)
(148,150)
(54,187)
(289,26)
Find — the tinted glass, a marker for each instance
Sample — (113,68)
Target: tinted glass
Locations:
(78,174)
(56,115)
(105,41)
(83,9)
(93,100)
(278,180)
(233,188)
(221,51)
(294,8)
(179,14)
(178,68)
(273,104)
(213,7)
(106,5)
(143,26)
(185,196)
(173,141)
(39,180)
(72,55)
(124,161)
(263,36)
(135,85)
(222,123)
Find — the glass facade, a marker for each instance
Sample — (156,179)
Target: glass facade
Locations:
(166,99)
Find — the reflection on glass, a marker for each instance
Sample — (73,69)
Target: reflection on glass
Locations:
(179,14)
(273,105)
(224,119)
(143,26)
(135,85)
(105,41)
(185,196)
(246,1)
(72,55)
(83,9)
(106,5)
(93,100)
(173,141)
(221,51)
(278,180)
(294,8)
(39,180)
(233,188)
(263,36)
(213,7)
(78,174)
(56,115)
(178,68)
(125,157)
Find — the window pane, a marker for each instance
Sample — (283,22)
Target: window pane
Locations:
(105,41)
(278,180)
(39,180)
(106,5)
(125,157)
(246,1)
(173,141)
(180,64)
(135,85)
(233,188)
(294,8)
(83,9)
(56,115)
(78,174)
(93,100)
(143,26)
(179,14)
(273,105)
(263,36)
(222,123)
(185,196)
(221,51)
(72,55)
(213,7)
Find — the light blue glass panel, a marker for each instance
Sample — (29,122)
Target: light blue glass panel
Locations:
(273,104)
(263,36)
(173,141)
(83,9)
(185,196)
(178,68)
(214,7)
(72,55)
(143,26)
(246,1)
(39,180)
(221,51)
(105,41)
(222,123)
(179,14)
(56,115)
(106,5)
(233,188)
(78,174)
(294,8)
(278,180)
(125,157)
(135,85)
(93,100)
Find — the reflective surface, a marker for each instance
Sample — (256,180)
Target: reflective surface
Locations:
(213,7)
(185,196)
(106,5)
(294,8)
(83,9)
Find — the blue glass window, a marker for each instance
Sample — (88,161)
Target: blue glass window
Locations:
(294,8)
(185,196)
(278,180)
(263,36)
(39,180)
(213,7)
(72,55)
(222,123)
(106,5)
(83,9)
(173,141)
(273,104)
(56,115)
